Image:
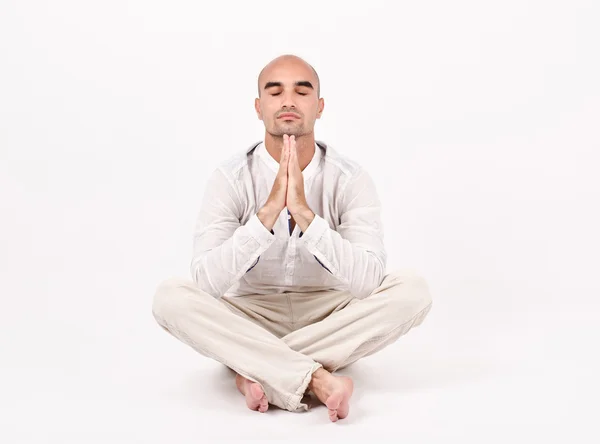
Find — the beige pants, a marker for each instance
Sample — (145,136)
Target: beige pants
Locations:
(279,340)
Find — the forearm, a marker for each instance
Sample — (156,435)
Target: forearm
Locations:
(216,269)
(358,266)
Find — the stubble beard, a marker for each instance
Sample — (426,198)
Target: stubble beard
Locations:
(290,130)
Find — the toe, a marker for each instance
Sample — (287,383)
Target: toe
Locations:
(256,391)
(333,402)
(252,405)
(264,405)
(343,410)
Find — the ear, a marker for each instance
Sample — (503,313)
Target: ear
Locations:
(257,108)
(320,107)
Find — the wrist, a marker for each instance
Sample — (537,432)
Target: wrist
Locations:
(268,215)
(303,217)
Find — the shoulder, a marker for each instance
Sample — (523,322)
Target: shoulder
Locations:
(237,164)
(335,162)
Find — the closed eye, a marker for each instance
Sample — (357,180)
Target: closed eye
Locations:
(302,94)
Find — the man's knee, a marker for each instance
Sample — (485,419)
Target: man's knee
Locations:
(166,300)
(410,291)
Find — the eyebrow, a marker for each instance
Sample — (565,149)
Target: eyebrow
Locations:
(299,83)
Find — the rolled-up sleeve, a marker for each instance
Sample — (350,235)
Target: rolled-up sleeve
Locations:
(354,252)
(224,249)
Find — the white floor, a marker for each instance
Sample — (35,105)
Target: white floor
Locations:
(483,368)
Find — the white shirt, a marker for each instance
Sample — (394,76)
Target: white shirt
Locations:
(234,254)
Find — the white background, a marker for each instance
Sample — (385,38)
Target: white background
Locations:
(479,121)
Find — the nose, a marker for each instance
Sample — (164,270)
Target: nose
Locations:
(287,100)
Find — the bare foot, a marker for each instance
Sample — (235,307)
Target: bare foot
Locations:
(333,391)
(255,397)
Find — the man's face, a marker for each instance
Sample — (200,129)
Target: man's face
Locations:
(288,102)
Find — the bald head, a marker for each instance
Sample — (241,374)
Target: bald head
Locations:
(292,62)
(289,99)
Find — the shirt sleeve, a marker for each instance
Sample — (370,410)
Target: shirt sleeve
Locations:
(354,252)
(224,249)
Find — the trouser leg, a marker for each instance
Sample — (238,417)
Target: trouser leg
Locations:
(358,328)
(214,330)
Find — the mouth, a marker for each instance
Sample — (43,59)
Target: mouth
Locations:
(288,116)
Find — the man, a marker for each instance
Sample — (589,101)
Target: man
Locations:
(288,271)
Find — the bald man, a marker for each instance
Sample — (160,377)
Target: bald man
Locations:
(289,278)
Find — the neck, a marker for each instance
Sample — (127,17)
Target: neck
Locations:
(305,145)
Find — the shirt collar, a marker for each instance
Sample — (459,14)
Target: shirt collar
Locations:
(311,168)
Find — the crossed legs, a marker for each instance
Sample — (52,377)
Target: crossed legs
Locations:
(283,345)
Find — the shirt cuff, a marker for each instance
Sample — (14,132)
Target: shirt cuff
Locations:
(259,232)
(253,265)
(315,231)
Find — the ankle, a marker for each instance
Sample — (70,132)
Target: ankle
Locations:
(241,383)
(318,379)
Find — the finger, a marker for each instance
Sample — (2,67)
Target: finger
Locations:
(285,155)
(286,143)
(293,155)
